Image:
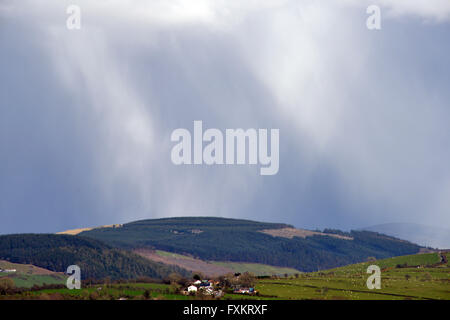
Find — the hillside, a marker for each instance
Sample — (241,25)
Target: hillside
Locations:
(231,240)
(435,237)
(417,277)
(212,268)
(96,260)
(27,275)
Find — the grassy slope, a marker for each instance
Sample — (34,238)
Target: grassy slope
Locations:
(27,275)
(257,268)
(349,282)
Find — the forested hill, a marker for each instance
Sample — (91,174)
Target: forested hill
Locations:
(96,260)
(158,231)
(223,239)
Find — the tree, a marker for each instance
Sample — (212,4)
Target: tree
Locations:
(184,282)
(174,277)
(175,288)
(6,284)
(198,276)
(247,279)
(224,280)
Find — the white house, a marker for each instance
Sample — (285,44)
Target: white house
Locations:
(197,282)
(8,270)
(192,289)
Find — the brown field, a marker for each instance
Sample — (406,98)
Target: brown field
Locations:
(191,264)
(25,268)
(301,233)
(74,232)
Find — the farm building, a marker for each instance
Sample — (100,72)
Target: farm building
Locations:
(192,289)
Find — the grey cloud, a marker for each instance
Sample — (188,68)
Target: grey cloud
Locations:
(86,116)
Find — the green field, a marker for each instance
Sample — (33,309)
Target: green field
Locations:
(28,281)
(414,282)
(117,291)
(129,291)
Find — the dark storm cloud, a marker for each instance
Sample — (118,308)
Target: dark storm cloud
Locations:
(86,116)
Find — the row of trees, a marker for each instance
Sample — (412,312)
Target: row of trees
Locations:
(96,260)
(305,254)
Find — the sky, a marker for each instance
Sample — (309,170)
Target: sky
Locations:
(86,115)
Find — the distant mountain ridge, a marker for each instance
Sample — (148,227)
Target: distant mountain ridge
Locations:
(111,251)
(435,237)
(222,239)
